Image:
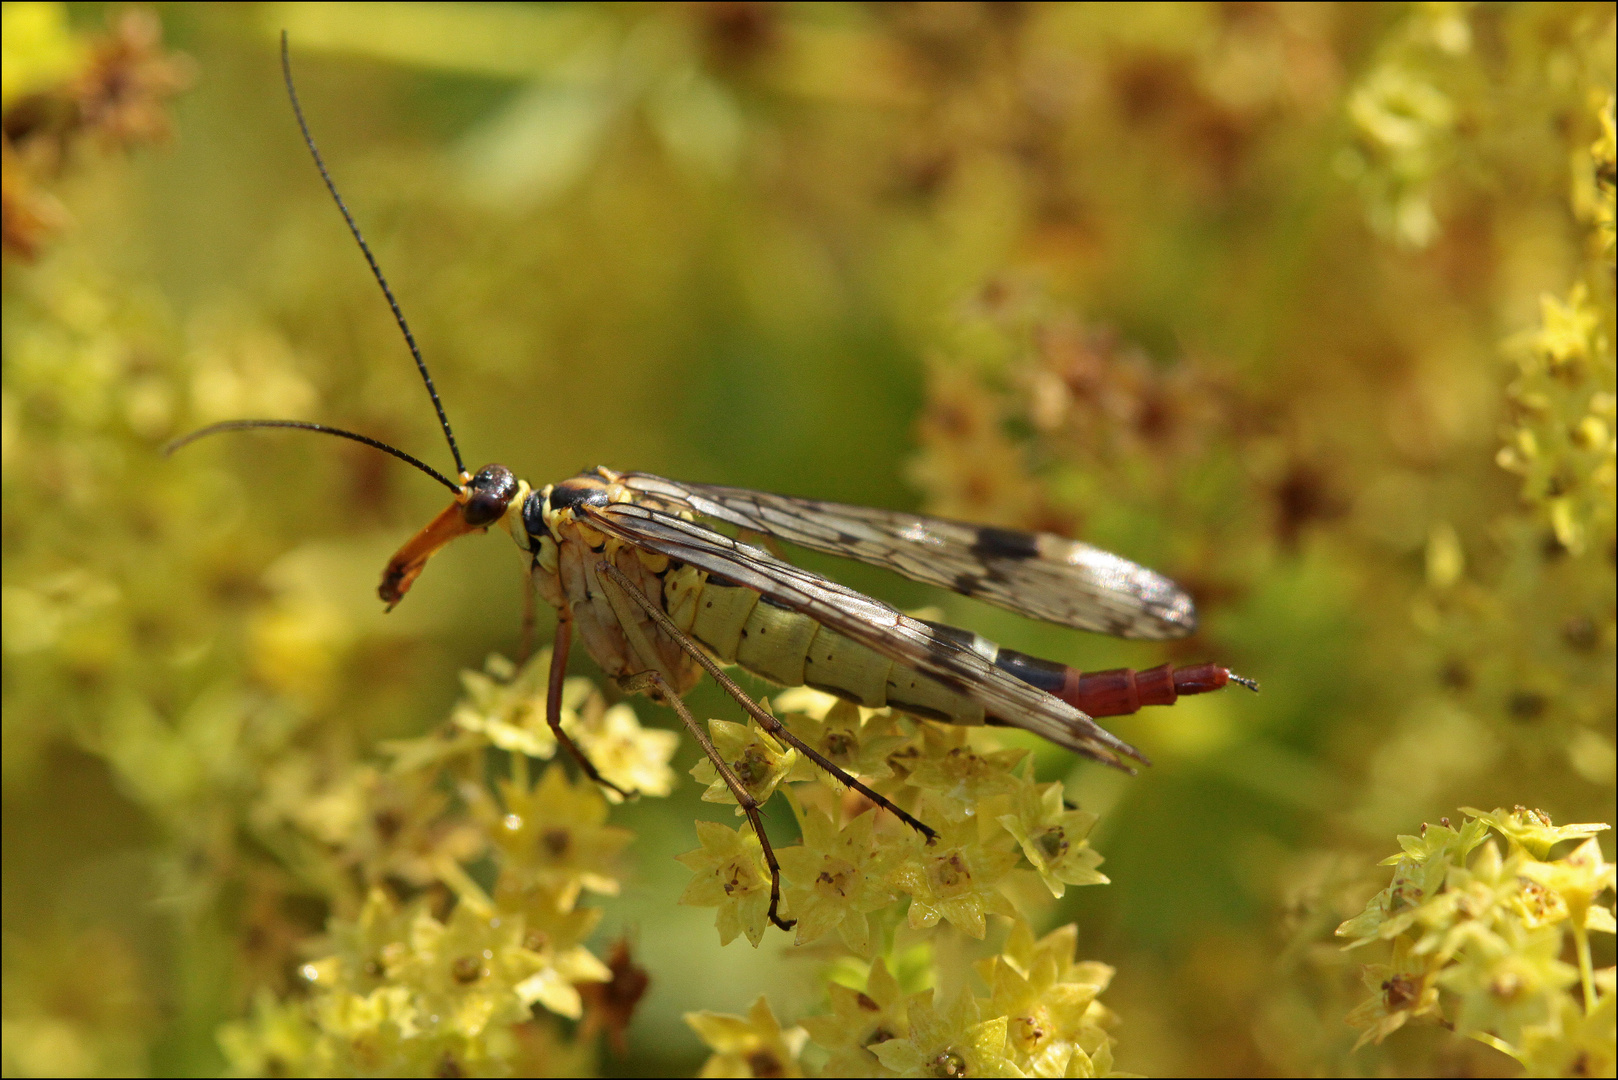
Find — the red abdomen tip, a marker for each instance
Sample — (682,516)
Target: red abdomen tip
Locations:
(1123,690)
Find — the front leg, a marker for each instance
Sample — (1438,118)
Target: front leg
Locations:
(553,703)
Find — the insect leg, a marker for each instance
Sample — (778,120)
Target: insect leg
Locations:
(653,680)
(553,704)
(765,720)
(530,613)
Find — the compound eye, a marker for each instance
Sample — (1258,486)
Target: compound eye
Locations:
(492,489)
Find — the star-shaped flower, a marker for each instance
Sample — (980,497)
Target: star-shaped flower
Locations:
(1504,989)
(555,932)
(1578,879)
(835,876)
(860,1020)
(958,776)
(858,747)
(956,877)
(1053,837)
(758,761)
(465,973)
(753,1045)
(507,706)
(1532,829)
(1049,1000)
(1468,905)
(369,948)
(1402,990)
(554,834)
(634,758)
(1573,1042)
(952,1042)
(1419,874)
(729,874)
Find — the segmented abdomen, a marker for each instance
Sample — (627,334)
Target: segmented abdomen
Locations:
(740,627)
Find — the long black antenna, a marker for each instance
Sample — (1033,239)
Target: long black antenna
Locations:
(304,425)
(376,271)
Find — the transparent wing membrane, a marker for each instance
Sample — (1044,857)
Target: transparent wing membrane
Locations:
(1040,575)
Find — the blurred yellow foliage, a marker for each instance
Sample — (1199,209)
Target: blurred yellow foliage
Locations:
(1310,307)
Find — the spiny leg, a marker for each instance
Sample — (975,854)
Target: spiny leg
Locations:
(766,721)
(553,703)
(653,680)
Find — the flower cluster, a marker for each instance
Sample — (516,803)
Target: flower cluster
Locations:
(1040,1017)
(435,973)
(1404,113)
(1564,439)
(993,818)
(1477,939)
(872,879)
(62,90)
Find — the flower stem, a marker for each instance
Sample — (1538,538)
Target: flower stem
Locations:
(1499,1044)
(1581,939)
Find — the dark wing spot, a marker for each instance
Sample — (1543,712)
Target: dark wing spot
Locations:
(967,584)
(995,543)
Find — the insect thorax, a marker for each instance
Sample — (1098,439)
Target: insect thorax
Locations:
(733,623)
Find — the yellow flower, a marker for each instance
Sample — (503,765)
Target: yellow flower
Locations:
(1403,990)
(835,876)
(507,706)
(1577,879)
(1573,1042)
(465,973)
(730,875)
(1419,873)
(554,834)
(370,948)
(1467,907)
(858,747)
(956,877)
(1532,829)
(277,1038)
(1053,837)
(1516,984)
(954,1042)
(554,932)
(628,755)
(956,775)
(1054,1022)
(758,761)
(858,1021)
(753,1045)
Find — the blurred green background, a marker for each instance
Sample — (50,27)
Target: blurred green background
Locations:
(1251,293)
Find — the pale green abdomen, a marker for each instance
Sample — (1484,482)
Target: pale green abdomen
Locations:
(740,627)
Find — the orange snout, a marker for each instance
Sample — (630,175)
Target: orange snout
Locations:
(407,563)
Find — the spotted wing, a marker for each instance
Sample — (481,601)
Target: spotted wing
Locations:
(1037,574)
(869,622)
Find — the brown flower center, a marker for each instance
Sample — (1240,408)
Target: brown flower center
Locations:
(950,874)
(839,745)
(753,767)
(765,1063)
